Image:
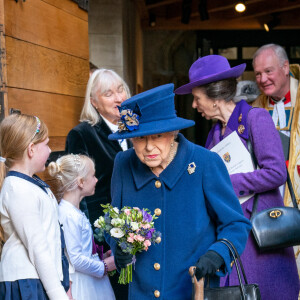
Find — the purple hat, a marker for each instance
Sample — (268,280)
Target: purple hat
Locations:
(209,69)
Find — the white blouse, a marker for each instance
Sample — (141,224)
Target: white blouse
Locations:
(32,246)
(78,236)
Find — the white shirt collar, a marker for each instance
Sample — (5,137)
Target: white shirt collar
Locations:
(114,128)
(111,126)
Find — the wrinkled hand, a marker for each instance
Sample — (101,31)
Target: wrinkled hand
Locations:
(110,262)
(208,264)
(122,259)
(107,254)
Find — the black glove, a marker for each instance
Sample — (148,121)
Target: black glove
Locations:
(122,259)
(208,264)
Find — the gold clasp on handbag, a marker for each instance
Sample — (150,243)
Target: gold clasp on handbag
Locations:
(275,214)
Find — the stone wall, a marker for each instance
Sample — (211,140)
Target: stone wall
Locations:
(115,38)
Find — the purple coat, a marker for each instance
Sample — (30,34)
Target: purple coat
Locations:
(275,271)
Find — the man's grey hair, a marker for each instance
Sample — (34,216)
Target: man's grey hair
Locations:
(278,51)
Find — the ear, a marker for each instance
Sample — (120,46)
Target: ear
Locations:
(217,102)
(80,182)
(31,150)
(286,68)
(94,102)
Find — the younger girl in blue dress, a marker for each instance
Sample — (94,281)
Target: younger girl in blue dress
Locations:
(76,176)
(31,258)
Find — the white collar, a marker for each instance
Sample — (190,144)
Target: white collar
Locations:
(64,202)
(111,126)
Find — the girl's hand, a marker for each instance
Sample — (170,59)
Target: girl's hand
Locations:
(107,254)
(110,261)
(69,292)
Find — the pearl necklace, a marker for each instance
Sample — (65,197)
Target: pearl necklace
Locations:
(172,153)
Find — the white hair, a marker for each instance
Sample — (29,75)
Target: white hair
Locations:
(100,80)
(278,51)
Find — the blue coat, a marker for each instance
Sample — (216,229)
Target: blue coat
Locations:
(196,210)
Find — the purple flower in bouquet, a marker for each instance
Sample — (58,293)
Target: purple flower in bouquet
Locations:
(146,216)
(149,233)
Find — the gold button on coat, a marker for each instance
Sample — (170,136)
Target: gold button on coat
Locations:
(157,184)
(156,293)
(157,211)
(157,266)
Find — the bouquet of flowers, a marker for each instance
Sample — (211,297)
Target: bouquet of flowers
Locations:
(132,228)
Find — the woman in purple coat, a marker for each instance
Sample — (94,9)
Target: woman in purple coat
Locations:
(213,85)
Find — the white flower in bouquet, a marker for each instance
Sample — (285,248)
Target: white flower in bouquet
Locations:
(116,232)
(99,223)
(96,224)
(117,222)
(134,226)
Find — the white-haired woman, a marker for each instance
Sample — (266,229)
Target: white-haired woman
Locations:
(106,90)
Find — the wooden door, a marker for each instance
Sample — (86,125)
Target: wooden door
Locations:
(44,62)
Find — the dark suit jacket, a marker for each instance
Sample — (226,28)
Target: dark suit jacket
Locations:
(93,141)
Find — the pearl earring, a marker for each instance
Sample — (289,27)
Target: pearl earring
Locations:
(214,105)
(172,144)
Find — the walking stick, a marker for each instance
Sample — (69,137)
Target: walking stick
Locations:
(198,287)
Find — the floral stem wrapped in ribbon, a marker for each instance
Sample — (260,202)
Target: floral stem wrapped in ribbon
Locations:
(132,228)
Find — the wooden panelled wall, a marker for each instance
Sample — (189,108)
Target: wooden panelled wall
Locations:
(45,62)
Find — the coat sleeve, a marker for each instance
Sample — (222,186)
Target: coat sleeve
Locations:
(75,143)
(24,211)
(269,154)
(224,209)
(73,227)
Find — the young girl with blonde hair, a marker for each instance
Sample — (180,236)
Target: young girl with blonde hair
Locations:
(31,258)
(76,177)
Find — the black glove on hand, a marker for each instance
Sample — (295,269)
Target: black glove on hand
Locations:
(122,259)
(208,264)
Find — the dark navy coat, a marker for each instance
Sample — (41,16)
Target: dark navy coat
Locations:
(196,210)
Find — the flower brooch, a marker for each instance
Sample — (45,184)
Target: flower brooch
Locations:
(129,120)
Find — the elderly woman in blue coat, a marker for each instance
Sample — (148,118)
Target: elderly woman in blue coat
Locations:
(188,188)
(213,85)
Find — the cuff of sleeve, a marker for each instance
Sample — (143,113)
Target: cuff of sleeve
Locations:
(223,251)
(57,294)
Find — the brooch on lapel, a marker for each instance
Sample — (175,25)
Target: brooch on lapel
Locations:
(191,168)
(240,118)
(241,129)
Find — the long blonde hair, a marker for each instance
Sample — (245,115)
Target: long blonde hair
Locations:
(100,80)
(17,131)
(67,169)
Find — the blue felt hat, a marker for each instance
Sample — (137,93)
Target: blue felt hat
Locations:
(148,113)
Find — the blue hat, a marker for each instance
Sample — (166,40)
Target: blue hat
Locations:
(148,113)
